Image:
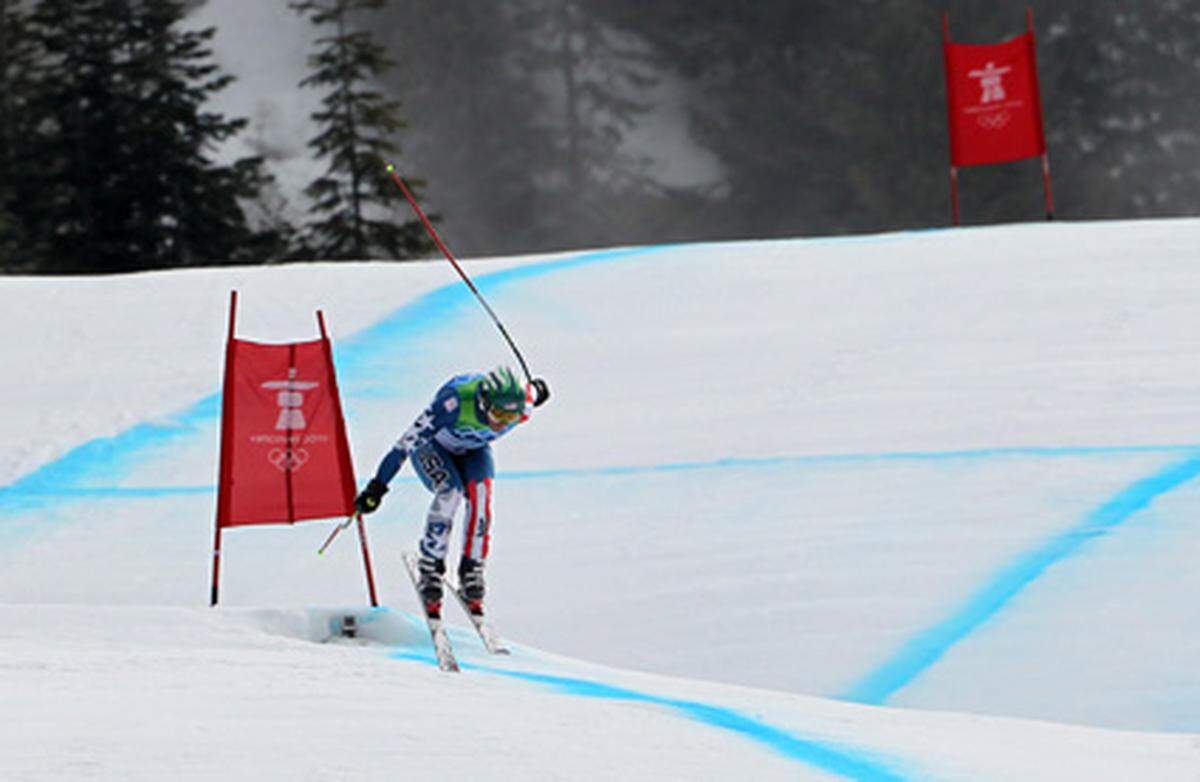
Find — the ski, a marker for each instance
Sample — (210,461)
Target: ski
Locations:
(487,634)
(437,631)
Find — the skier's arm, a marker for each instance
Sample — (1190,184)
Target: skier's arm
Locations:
(417,435)
(421,432)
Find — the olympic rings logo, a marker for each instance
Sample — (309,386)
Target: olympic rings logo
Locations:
(994,120)
(287,460)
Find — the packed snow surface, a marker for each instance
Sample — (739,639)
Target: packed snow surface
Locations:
(909,506)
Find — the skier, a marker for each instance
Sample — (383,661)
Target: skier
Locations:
(449,445)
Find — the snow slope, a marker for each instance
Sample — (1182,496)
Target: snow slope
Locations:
(912,506)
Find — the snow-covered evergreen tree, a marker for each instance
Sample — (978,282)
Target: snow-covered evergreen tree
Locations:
(355,215)
(124,145)
(16,69)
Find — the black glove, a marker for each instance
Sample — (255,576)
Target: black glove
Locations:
(368,500)
(541,392)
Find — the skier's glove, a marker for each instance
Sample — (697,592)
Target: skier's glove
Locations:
(368,500)
(541,392)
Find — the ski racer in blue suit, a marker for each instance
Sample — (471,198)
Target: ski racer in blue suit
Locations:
(450,448)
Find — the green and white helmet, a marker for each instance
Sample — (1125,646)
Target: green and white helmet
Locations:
(502,390)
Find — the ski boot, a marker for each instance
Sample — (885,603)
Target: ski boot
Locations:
(430,585)
(470,584)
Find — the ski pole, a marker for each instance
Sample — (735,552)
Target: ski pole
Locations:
(335,532)
(391,169)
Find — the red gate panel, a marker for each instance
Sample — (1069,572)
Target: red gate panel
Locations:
(993,102)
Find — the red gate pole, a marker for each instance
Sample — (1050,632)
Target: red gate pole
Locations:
(226,466)
(216,567)
(347,468)
(954,210)
(1046,186)
(366,552)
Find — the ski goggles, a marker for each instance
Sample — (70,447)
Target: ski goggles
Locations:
(505,417)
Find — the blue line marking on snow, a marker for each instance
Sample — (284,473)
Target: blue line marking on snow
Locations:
(106,458)
(118,492)
(54,482)
(414,320)
(93,468)
(845,763)
(928,647)
(850,458)
(109,458)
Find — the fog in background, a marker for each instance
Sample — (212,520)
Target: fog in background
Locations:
(553,124)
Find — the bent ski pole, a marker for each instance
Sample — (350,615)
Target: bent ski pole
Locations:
(391,169)
(349,520)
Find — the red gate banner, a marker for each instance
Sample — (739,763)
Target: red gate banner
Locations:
(993,101)
(284,456)
(994,106)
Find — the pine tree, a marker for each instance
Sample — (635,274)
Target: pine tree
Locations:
(592,79)
(10,245)
(16,69)
(479,138)
(353,199)
(125,147)
(755,72)
(1121,102)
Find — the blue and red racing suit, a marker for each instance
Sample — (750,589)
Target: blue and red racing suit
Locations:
(449,445)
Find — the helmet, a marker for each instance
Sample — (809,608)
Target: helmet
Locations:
(502,391)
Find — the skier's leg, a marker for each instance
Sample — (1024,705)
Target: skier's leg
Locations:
(478,471)
(438,472)
(439,520)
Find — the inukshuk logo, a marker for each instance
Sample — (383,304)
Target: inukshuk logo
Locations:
(290,399)
(990,112)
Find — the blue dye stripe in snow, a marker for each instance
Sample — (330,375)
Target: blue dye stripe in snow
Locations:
(116,455)
(415,320)
(67,477)
(851,458)
(844,762)
(79,472)
(57,481)
(928,647)
(112,455)
(53,482)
